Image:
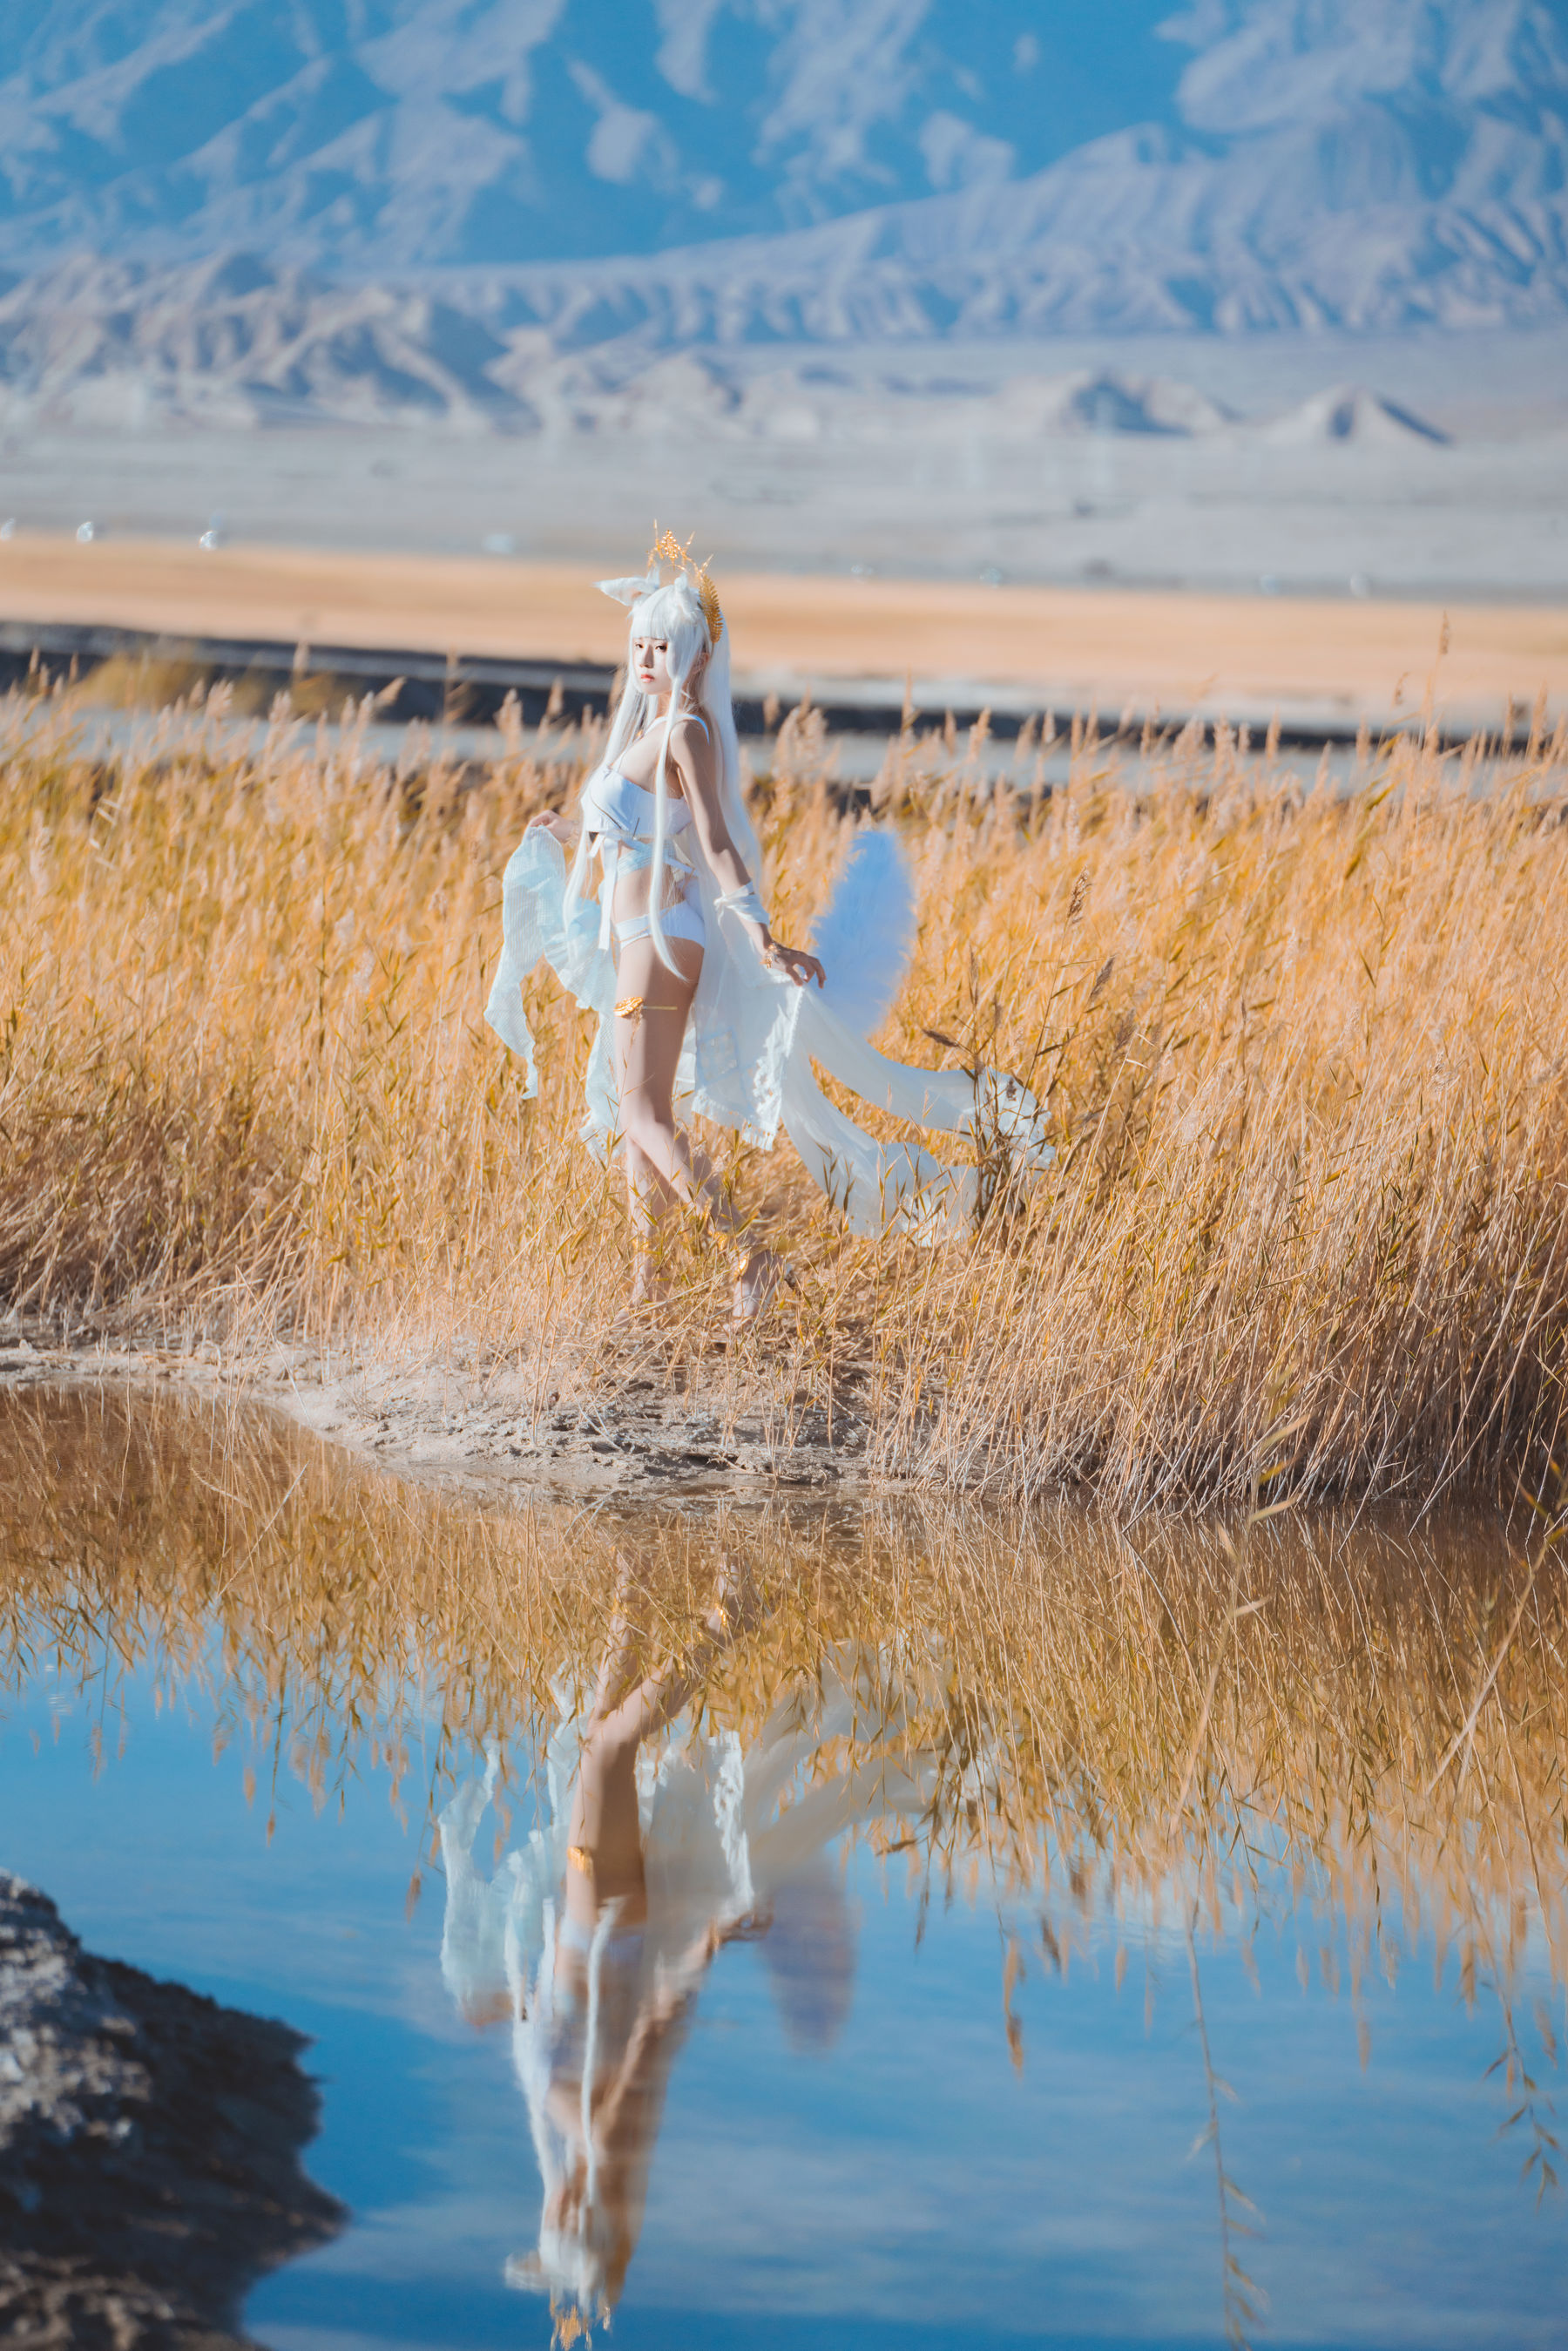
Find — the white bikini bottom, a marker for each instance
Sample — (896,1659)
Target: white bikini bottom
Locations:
(681,921)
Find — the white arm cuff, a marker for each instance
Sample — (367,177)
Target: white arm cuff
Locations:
(746,904)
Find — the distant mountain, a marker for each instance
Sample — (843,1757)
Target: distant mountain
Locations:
(234,342)
(1348,411)
(678,173)
(124,344)
(1368,164)
(385,135)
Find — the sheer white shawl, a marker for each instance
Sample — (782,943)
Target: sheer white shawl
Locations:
(753,1039)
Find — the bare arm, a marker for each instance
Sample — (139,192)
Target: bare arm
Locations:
(695,757)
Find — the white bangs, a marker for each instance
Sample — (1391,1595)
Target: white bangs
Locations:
(672,615)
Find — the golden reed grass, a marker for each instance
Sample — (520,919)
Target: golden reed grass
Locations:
(1154,1727)
(1301,1050)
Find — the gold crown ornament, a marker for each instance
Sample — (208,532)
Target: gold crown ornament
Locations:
(668,549)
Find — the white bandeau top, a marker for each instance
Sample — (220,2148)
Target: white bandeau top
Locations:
(614,806)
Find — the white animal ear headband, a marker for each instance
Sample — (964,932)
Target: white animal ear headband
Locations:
(668,549)
(628,591)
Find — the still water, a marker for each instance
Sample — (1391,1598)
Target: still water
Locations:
(965,1933)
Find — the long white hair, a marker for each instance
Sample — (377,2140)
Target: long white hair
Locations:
(673,616)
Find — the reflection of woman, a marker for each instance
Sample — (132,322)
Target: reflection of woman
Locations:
(697,1001)
(596,1941)
(612,2022)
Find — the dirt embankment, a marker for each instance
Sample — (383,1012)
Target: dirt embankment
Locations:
(150,2146)
(622,1424)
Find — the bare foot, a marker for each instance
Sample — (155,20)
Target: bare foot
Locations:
(757,1281)
(649,1288)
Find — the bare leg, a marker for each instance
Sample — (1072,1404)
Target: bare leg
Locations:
(647,1197)
(661,1165)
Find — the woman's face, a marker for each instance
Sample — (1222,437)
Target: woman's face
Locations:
(650,666)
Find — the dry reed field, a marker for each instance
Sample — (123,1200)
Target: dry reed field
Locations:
(1301,1052)
(1158,1726)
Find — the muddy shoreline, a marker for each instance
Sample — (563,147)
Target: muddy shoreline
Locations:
(493,1432)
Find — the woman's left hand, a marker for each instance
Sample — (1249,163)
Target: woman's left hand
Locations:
(559,827)
(794,963)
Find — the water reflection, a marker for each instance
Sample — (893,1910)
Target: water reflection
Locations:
(649,1855)
(1121,1770)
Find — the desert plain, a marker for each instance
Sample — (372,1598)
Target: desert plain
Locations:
(1115,651)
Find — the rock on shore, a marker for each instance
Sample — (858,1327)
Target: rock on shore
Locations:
(150,2145)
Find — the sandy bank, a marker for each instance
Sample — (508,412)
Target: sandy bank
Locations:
(1313,660)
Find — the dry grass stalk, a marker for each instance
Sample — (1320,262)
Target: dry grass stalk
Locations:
(1308,1233)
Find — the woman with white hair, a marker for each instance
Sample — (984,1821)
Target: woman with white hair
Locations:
(698,1002)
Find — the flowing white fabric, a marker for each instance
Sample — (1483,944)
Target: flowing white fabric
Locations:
(716,1843)
(718,1847)
(753,1036)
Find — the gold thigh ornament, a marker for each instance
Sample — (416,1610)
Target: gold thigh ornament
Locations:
(632,1007)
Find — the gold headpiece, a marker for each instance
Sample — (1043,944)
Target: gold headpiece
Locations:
(668,549)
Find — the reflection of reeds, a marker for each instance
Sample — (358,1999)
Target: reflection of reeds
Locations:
(1309,1227)
(1242,2299)
(1352,1732)
(1117,1725)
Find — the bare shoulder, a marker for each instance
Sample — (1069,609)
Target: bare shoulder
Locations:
(691,727)
(692,746)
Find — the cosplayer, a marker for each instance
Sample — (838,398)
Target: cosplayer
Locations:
(698,1004)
